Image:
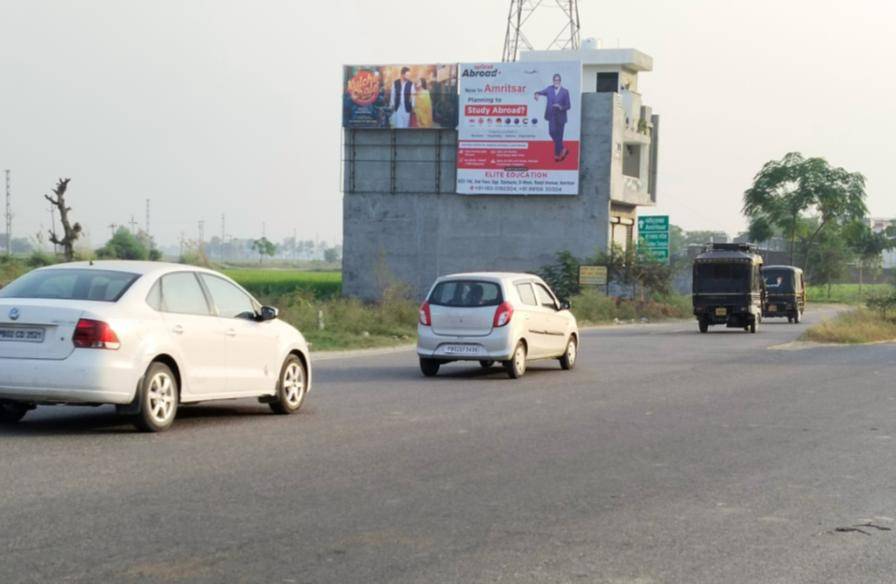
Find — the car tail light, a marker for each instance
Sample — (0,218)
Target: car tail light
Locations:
(425,316)
(95,334)
(502,314)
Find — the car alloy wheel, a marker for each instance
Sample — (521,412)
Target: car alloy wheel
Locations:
(158,399)
(294,385)
(292,388)
(161,398)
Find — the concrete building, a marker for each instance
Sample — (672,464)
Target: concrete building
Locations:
(404,223)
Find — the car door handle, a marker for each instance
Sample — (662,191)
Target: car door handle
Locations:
(178,329)
(231,332)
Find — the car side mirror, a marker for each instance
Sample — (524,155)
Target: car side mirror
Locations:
(268,313)
(565,305)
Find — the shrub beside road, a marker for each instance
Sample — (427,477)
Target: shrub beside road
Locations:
(860,325)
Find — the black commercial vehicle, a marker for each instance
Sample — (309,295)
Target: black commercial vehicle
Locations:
(728,287)
(785,292)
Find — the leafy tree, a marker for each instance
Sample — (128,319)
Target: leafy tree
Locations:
(332,255)
(784,190)
(263,247)
(563,275)
(70,231)
(868,247)
(124,245)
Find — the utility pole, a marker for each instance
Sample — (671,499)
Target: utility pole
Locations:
(223,233)
(201,236)
(112,226)
(133,223)
(8,217)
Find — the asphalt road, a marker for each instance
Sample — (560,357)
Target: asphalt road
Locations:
(665,456)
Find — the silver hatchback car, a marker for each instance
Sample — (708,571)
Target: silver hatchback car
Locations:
(491,316)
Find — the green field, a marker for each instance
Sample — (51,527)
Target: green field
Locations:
(846,293)
(274,282)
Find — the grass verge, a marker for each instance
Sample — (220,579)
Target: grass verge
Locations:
(845,293)
(855,326)
(345,323)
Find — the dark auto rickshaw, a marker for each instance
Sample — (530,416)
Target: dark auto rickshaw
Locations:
(728,288)
(785,290)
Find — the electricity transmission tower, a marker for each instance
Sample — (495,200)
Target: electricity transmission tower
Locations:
(524,13)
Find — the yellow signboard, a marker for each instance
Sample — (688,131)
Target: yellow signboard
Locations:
(592,275)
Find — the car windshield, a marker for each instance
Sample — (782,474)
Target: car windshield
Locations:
(778,281)
(466,293)
(71,284)
(718,278)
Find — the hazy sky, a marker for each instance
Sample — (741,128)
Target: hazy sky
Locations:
(234,106)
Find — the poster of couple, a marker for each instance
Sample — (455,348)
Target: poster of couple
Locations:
(399,96)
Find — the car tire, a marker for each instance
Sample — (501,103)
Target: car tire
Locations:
(703,325)
(158,399)
(486,364)
(12,412)
(292,387)
(429,367)
(568,360)
(516,367)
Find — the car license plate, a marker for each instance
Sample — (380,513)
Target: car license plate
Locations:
(463,349)
(721,311)
(773,308)
(18,334)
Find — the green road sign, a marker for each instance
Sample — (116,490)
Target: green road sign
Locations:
(653,237)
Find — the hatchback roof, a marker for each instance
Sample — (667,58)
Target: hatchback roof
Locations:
(488,275)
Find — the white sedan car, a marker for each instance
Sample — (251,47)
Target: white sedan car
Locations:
(145,336)
(494,316)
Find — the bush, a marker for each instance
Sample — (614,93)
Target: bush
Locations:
(349,322)
(883,303)
(593,307)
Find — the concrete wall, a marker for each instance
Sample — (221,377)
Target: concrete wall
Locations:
(403,222)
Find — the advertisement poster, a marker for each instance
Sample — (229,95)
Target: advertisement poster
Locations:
(519,126)
(399,96)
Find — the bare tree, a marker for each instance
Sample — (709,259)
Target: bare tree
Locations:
(70,232)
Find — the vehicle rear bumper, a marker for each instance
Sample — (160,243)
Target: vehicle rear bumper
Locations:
(86,376)
(496,346)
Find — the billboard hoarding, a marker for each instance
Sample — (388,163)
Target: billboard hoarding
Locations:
(399,96)
(519,128)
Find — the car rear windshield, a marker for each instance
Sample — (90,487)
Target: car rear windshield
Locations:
(778,280)
(721,277)
(466,293)
(71,284)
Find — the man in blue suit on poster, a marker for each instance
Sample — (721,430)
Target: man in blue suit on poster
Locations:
(555,114)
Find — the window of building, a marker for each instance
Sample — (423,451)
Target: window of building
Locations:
(607,82)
